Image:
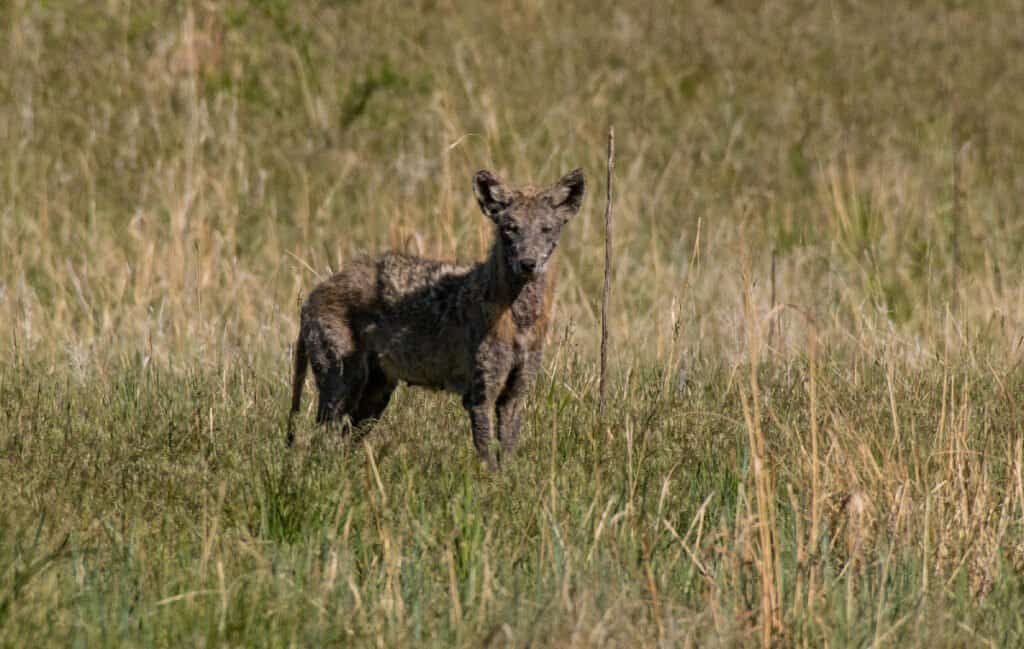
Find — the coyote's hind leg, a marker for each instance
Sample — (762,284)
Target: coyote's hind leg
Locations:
(339,368)
(341,388)
(375,398)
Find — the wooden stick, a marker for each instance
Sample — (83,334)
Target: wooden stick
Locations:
(957,151)
(607,271)
(774,324)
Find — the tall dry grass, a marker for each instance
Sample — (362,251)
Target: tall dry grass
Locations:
(177,176)
(817,318)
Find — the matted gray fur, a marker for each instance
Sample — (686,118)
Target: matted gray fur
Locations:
(477,331)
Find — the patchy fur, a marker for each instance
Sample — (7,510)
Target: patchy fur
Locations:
(475,330)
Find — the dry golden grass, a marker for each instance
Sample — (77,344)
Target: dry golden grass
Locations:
(176,178)
(840,465)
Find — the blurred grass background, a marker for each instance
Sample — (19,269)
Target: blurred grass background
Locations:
(174,177)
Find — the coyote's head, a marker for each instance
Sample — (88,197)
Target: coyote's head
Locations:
(528,221)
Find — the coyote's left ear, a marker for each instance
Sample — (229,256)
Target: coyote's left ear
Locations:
(567,193)
(491,193)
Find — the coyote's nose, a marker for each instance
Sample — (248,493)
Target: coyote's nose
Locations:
(528,265)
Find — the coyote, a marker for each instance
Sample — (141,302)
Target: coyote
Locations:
(477,331)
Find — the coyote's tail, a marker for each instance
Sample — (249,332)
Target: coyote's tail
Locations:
(298,380)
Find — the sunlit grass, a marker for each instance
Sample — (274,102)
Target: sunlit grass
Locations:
(175,178)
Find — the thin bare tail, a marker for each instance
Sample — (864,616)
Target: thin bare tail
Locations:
(298,380)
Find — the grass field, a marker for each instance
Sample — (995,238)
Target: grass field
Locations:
(815,432)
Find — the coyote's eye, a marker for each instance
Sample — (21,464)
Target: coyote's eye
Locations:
(509,229)
(545,229)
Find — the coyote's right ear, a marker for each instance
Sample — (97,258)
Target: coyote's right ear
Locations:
(568,193)
(491,193)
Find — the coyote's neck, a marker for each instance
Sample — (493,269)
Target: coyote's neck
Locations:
(527,301)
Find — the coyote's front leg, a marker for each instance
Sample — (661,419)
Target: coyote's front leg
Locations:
(490,373)
(512,402)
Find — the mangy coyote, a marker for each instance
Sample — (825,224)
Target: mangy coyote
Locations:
(477,331)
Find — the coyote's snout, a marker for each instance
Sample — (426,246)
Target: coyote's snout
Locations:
(477,331)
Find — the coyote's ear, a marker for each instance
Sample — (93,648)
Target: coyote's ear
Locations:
(491,193)
(567,193)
